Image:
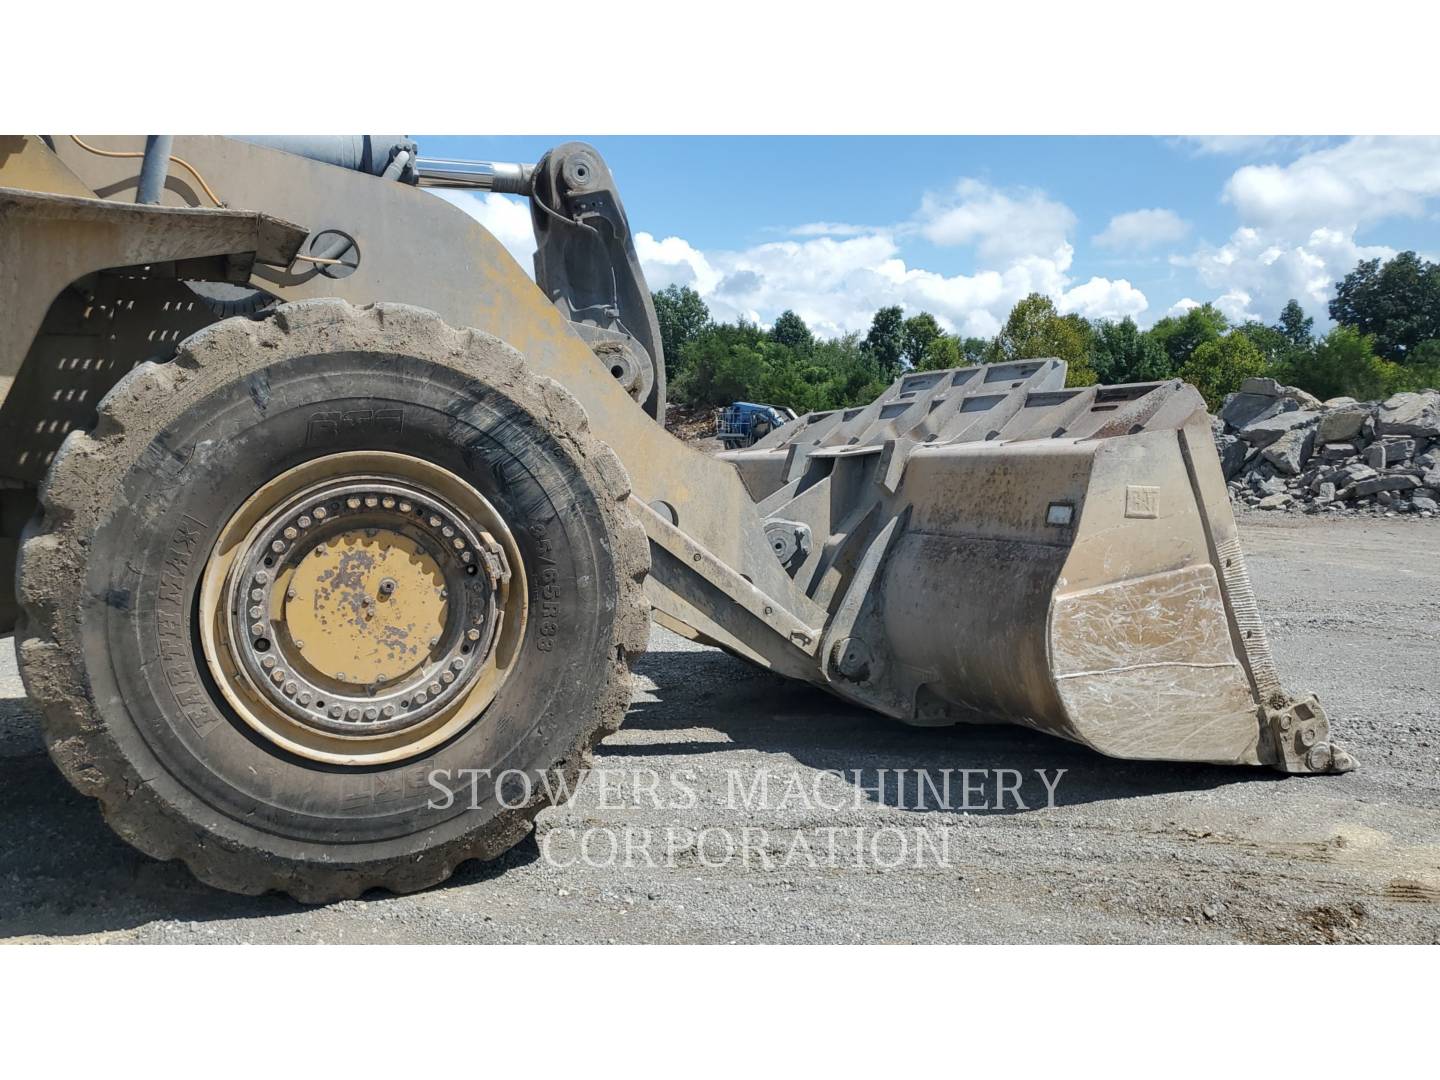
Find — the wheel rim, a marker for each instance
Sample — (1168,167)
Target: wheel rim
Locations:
(362,607)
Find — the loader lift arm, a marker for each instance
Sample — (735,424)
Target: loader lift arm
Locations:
(585,259)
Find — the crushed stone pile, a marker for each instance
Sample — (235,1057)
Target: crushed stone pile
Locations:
(1283,449)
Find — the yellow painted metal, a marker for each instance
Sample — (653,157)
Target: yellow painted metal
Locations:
(252,705)
(363,607)
(26,162)
(416,248)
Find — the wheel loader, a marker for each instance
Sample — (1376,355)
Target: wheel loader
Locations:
(313,495)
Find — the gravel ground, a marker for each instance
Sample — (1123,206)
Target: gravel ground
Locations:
(1129,852)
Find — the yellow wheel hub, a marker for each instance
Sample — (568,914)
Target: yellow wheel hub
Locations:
(363,607)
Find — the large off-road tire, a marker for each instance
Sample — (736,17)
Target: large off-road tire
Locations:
(124,647)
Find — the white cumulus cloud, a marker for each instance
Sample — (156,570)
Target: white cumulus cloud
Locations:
(1301,222)
(673,261)
(836,275)
(1258,269)
(836,285)
(1141,230)
(1360,180)
(1102,298)
(1002,226)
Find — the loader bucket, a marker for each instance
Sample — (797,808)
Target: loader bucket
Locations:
(1001,547)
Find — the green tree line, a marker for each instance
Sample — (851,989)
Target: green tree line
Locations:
(1386,339)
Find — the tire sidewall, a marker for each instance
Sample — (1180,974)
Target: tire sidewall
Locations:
(139,611)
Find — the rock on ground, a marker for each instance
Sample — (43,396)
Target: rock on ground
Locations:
(1281,450)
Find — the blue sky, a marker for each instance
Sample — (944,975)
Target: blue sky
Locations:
(964,226)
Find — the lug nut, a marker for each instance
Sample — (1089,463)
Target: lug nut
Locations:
(387,586)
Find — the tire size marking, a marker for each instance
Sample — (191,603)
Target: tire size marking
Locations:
(362,790)
(324,428)
(550,591)
(177,661)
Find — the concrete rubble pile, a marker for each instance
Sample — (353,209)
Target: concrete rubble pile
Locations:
(1282,449)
